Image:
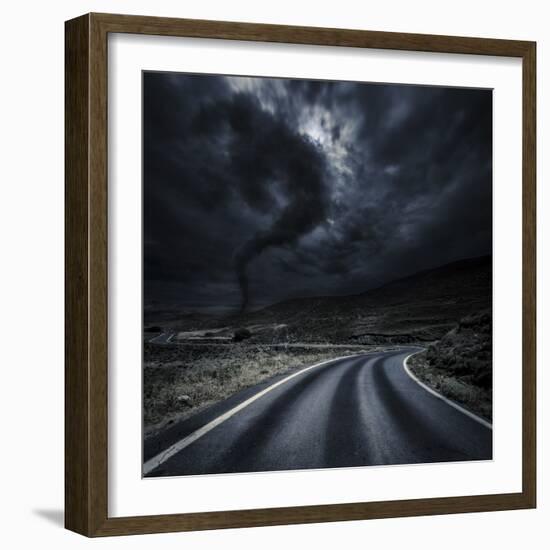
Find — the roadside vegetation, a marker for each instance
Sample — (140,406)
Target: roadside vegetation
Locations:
(459,365)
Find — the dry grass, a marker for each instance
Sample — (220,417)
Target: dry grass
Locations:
(460,365)
(180,380)
(474,398)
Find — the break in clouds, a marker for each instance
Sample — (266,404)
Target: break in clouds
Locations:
(258,190)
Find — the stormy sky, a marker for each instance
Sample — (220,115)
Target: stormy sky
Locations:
(258,190)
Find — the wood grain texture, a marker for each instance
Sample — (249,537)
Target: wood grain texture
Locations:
(98,284)
(310,514)
(309,35)
(529,274)
(77,388)
(86,362)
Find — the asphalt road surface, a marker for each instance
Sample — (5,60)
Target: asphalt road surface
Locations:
(358,411)
(162,338)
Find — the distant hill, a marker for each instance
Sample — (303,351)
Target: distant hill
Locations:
(418,308)
(421,307)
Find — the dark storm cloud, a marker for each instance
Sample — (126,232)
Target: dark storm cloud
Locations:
(281,188)
(267,158)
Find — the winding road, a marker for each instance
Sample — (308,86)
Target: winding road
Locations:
(355,411)
(162,338)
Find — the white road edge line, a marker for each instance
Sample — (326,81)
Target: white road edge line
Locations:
(473,416)
(157,460)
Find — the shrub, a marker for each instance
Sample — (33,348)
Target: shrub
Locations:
(241,334)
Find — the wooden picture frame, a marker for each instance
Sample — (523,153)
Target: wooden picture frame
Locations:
(86,415)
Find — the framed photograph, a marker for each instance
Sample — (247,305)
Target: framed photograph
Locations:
(300,275)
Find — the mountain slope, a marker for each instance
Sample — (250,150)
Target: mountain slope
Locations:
(421,307)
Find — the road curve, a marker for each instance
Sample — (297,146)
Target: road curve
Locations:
(359,411)
(162,338)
